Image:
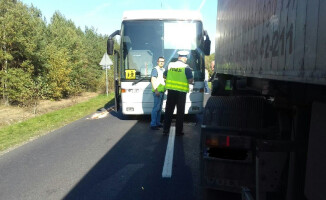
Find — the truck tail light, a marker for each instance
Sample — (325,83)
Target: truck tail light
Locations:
(123,90)
(212,142)
(217,141)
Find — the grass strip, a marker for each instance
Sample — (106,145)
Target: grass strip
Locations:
(23,131)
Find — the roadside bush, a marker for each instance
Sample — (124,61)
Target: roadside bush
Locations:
(19,87)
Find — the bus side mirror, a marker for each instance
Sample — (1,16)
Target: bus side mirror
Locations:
(110,42)
(110,46)
(207,45)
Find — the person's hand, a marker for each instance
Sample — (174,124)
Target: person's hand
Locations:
(157,93)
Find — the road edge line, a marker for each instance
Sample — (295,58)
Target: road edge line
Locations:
(168,161)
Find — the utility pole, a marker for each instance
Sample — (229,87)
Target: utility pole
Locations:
(106,80)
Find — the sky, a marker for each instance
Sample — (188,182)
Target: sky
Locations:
(105,15)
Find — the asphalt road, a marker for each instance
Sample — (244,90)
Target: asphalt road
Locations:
(109,158)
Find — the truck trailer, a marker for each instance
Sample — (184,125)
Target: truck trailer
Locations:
(264,126)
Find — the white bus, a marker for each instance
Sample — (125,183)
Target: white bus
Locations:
(145,36)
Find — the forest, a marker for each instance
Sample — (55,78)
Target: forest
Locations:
(42,59)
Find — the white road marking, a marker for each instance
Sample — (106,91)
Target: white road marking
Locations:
(167,167)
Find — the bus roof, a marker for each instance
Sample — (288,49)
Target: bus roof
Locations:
(162,15)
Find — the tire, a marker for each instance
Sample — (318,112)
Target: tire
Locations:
(211,194)
(214,90)
(243,112)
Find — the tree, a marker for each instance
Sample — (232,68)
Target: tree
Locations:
(95,48)
(18,36)
(57,72)
(208,61)
(46,61)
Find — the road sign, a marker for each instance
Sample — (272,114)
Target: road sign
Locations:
(106,61)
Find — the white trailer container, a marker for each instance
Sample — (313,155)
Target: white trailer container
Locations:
(264,128)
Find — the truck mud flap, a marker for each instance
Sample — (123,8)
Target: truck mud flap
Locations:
(227,169)
(231,124)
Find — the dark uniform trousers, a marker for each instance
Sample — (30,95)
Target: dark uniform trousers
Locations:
(179,99)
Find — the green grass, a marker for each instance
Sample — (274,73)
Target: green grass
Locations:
(23,131)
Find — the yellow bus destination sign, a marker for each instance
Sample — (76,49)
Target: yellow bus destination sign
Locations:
(130,73)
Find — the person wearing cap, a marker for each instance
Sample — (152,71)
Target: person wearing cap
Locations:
(178,77)
(158,89)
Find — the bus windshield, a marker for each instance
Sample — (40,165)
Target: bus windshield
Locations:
(143,42)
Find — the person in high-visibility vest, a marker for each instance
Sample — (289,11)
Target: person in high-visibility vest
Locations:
(158,89)
(178,77)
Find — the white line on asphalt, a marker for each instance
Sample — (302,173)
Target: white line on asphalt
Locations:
(167,167)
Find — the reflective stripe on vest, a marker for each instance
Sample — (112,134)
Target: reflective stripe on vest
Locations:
(176,80)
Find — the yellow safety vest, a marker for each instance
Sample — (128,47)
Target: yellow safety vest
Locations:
(177,80)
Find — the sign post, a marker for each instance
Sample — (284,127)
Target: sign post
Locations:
(106,62)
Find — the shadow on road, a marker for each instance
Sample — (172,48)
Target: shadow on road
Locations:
(107,106)
(132,169)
